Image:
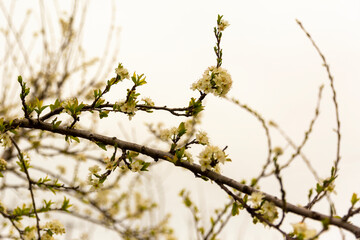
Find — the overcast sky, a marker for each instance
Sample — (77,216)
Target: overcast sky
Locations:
(275,70)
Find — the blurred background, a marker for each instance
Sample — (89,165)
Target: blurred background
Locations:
(275,70)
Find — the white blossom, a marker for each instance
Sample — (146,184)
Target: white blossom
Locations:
(122,72)
(256,198)
(215,80)
(202,138)
(223,24)
(301,229)
(136,166)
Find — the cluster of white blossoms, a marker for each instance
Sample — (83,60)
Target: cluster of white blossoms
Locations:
(256,199)
(3,164)
(210,157)
(30,234)
(5,140)
(166,134)
(301,230)
(215,80)
(148,101)
(136,166)
(94,182)
(202,138)
(267,209)
(55,226)
(223,24)
(122,72)
(128,107)
(94,169)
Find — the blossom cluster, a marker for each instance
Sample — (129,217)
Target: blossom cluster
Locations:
(136,166)
(3,164)
(5,140)
(267,209)
(210,157)
(53,227)
(30,234)
(256,199)
(128,107)
(222,25)
(202,138)
(122,72)
(215,80)
(165,134)
(148,101)
(302,231)
(94,182)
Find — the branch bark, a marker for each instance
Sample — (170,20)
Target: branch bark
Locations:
(195,168)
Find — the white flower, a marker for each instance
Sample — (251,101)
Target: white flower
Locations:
(210,156)
(215,80)
(300,229)
(165,134)
(148,101)
(188,157)
(269,211)
(3,164)
(30,234)
(94,169)
(95,183)
(223,24)
(55,226)
(202,138)
(122,72)
(205,164)
(256,198)
(127,107)
(5,140)
(46,236)
(136,166)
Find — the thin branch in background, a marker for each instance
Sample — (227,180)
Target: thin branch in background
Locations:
(299,148)
(326,65)
(25,168)
(267,133)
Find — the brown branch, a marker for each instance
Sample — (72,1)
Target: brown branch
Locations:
(21,158)
(195,168)
(326,65)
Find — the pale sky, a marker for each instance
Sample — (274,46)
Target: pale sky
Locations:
(275,70)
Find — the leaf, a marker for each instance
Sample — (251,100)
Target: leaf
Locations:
(101,145)
(56,105)
(65,204)
(310,193)
(145,166)
(75,139)
(20,79)
(319,188)
(235,209)
(354,199)
(99,102)
(103,114)
(181,129)
(325,222)
(179,153)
